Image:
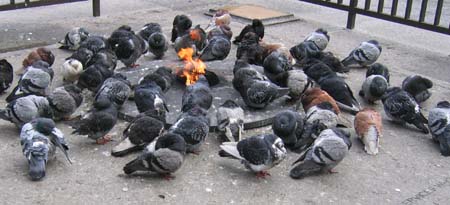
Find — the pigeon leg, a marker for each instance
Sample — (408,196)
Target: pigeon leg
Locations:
(262,174)
(134,65)
(168,177)
(105,139)
(331,171)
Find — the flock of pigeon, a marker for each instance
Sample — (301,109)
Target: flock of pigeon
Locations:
(310,76)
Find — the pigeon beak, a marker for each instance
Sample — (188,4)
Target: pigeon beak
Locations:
(37,168)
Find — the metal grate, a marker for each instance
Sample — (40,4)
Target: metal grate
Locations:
(380,12)
(29,4)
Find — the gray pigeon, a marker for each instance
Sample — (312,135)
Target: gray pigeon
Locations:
(230,121)
(198,93)
(244,73)
(140,132)
(98,121)
(39,139)
(365,54)
(402,108)
(164,156)
(193,126)
(276,66)
(23,110)
(33,82)
(95,43)
(439,124)
(218,48)
(116,88)
(6,75)
(373,88)
(64,101)
(320,38)
(323,113)
(104,58)
(258,153)
(260,93)
(297,82)
(73,38)
(417,86)
(328,150)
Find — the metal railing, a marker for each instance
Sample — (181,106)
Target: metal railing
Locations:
(353,8)
(28,4)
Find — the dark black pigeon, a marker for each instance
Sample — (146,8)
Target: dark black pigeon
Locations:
(181,25)
(149,96)
(401,107)
(98,121)
(93,77)
(256,27)
(249,49)
(378,69)
(337,88)
(258,153)
(6,75)
(197,94)
(116,88)
(104,58)
(140,132)
(417,86)
(276,66)
(304,50)
(193,126)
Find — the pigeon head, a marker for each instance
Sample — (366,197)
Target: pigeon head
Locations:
(46,55)
(324,32)
(256,23)
(182,22)
(171,141)
(5,65)
(443,104)
(378,69)
(284,123)
(43,125)
(37,159)
(102,103)
(125,28)
(379,86)
(83,55)
(375,42)
(125,49)
(157,40)
(277,146)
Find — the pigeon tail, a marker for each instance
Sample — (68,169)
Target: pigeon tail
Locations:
(306,168)
(444,143)
(352,110)
(348,61)
(4,115)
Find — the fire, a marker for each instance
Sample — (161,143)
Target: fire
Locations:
(192,68)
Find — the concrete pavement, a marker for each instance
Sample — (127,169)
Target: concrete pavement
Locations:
(408,169)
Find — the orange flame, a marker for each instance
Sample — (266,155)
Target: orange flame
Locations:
(192,68)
